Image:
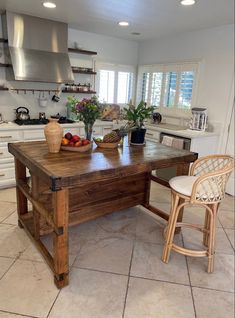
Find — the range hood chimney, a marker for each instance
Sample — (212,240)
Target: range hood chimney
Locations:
(38,49)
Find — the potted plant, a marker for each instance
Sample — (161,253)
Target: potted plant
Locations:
(136,117)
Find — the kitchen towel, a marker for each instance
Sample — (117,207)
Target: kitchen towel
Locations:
(167,140)
(173,142)
(178,143)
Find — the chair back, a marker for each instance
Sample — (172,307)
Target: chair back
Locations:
(213,172)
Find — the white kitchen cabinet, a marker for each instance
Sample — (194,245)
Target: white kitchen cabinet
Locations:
(10,135)
(73,131)
(7,169)
(152,135)
(33,134)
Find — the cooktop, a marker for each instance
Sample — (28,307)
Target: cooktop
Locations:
(44,121)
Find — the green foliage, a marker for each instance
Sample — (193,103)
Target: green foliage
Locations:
(71,103)
(137,115)
(88,110)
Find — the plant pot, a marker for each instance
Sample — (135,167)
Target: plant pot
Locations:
(138,136)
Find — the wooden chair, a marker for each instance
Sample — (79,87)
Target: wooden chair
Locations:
(205,186)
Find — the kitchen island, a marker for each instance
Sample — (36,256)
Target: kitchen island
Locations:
(69,188)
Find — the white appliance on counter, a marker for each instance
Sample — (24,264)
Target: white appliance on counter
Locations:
(199,119)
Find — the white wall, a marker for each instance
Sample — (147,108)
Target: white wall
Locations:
(109,49)
(215,48)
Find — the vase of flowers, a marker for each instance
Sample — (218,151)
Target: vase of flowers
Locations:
(88,110)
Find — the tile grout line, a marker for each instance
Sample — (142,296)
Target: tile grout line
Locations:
(226,235)
(190,283)
(49,312)
(128,280)
(2,222)
(13,263)
(17,314)
(70,269)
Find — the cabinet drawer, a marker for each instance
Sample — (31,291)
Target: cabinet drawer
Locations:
(4,154)
(152,135)
(7,173)
(9,136)
(35,134)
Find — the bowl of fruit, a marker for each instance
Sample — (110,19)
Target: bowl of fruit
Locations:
(75,143)
(111,140)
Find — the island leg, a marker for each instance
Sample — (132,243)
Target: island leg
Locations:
(20,175)
(60,239)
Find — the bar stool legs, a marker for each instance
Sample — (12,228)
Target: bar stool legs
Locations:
(208,232)
(170,231)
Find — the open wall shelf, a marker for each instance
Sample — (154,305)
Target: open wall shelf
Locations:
(78,92)
(4,65)
(83,72)
(3,40)
(80,51)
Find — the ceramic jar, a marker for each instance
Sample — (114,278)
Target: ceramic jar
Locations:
(53,133)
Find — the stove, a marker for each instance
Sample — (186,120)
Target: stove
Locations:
(44,121)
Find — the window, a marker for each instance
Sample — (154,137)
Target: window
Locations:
(115,83)
(168,86)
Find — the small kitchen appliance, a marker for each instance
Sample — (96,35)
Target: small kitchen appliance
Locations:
(22,113)
(199,119)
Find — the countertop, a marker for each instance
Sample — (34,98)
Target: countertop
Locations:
(180,131)
(14,126)
(167,128)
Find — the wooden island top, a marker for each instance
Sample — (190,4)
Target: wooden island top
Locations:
(106,180)
(67,168)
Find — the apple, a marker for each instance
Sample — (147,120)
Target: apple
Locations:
(85,142)
(68,136)
(75,138)
(71,144)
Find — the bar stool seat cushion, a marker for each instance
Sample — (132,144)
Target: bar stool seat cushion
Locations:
(183,184)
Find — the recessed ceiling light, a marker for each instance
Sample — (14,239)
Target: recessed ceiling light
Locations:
(187,2)
(50,5)
(123,23)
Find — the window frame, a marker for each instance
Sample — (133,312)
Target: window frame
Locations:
(164,68)
(116,68)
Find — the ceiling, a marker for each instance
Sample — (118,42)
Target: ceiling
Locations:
(151,18)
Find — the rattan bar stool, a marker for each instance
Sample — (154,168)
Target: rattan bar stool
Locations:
(205,186)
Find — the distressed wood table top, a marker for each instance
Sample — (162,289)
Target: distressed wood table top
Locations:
(67,168)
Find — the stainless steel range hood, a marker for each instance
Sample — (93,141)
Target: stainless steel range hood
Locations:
(38,49)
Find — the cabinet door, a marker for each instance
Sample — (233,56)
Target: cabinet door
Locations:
(10,135)
(34,134)
(5,156)
(7,175)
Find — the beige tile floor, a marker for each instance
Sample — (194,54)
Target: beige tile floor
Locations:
(116,269)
